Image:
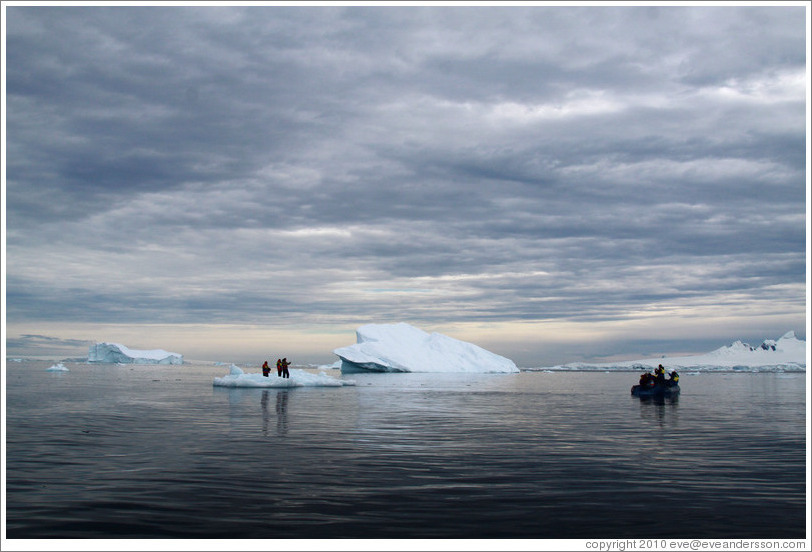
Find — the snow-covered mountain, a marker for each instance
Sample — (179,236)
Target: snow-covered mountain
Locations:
(788,354)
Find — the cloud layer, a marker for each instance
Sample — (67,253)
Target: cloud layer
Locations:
(333,166)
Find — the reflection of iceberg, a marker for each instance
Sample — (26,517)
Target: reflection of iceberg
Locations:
(57,368)
(404,348)
(298,378)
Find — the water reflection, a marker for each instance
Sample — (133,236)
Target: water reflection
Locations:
(265,414)
(282,412)
(281,409)
(662,410)
(241,409)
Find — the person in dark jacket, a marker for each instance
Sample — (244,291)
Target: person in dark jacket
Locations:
(285,364)
(279,367)
(659,377)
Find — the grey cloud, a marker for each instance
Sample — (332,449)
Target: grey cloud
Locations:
(404,145)
(44,345)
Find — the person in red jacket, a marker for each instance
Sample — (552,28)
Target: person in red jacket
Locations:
(266,369)
(279,367)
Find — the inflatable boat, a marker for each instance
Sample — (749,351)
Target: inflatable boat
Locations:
(659,390)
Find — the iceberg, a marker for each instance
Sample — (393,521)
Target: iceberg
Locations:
(788,354)
(114,353)
(57,368)
(298,378)
(404,348)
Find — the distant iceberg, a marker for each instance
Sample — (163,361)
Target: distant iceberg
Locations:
(114,353)
(788,354)
(57,368)
(298,378)
(404,348)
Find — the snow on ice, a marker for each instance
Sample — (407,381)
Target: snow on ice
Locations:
(114,353)
(298,378)
(404,348)
(57,368)
(788,354)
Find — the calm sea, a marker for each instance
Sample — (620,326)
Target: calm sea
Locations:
(156,452)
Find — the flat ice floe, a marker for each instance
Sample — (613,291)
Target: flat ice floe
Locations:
(298,378)
(57,368)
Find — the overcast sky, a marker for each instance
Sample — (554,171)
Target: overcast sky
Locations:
(555,184)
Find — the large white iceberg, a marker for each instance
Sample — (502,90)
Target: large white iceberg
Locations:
(788,354)
(114,353)
(404,348)
(298,378)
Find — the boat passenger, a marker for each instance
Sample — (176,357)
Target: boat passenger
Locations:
(673,378)
(660,375)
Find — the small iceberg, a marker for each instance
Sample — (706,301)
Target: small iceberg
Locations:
(57,368)
(298,378)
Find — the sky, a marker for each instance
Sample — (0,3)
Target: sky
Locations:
(553,183)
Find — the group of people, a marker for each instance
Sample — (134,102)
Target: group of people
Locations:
(281,368)
(658,378)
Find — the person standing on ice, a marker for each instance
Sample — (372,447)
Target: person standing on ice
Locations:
(266,369)
(285,364)
(279,367)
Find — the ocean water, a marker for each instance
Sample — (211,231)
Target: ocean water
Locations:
(157,452)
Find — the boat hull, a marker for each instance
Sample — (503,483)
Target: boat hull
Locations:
(656,391)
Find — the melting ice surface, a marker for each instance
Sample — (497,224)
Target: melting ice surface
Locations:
(404,348)
(298,378)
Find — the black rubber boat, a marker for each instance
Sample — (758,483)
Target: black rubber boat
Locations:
(659,390)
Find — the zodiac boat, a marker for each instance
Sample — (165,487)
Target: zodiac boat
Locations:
(659,390)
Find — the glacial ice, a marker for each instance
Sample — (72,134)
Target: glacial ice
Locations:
(57,368)
(115,353)
(404,348)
